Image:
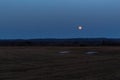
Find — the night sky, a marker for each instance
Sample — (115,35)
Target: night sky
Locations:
(26,19)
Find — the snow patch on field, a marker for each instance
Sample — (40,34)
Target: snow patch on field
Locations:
(91,52)
(64,52)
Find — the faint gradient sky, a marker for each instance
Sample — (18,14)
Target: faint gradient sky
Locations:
(59,18)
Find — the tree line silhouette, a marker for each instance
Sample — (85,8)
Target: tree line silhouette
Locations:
(61,42)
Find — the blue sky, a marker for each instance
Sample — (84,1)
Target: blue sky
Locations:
(59,18)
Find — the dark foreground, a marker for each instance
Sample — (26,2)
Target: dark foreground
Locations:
(48,63)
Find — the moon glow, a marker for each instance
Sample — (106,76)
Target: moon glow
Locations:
(80,27)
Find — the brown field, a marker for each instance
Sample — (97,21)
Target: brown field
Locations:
(46,63)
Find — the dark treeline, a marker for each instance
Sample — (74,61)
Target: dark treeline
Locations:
(62,42)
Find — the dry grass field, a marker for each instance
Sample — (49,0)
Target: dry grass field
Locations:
(48,63)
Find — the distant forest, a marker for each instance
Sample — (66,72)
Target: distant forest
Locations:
(61,42)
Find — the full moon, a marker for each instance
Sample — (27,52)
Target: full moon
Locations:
(80,27)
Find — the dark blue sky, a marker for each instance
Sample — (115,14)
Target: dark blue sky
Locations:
(59,18)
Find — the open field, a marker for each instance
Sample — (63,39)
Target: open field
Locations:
(47,63)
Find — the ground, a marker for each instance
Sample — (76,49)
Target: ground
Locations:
(48,63)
